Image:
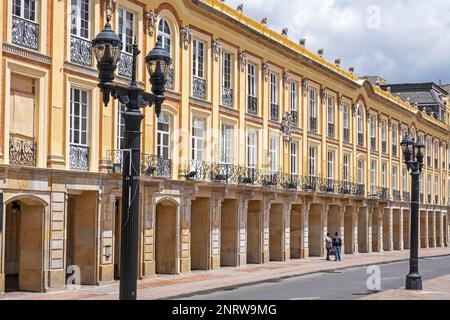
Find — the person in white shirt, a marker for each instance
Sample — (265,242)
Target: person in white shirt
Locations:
(328,245)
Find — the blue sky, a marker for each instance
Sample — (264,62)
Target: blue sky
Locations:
(399,40)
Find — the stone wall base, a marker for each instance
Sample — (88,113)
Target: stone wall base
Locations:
(56,280)
(106,273)
(215,263)
(2,283)
(148,270)
(185,265)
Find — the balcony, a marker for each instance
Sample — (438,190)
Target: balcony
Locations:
(274,112)
(79,158)
(231,174)
(360,139)
(294,115)
(170,81)
(25,33)
(125,65)
(394,150)
(346,135)
(22,151)
(151,165)
(313,124)
(80,51)
(227,97)
(379,193)
(373,143)
(252,105)
(396,195)
(331,130)
(384,146)
(199,88)
(406,196)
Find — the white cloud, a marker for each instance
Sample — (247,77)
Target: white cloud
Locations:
(411,44)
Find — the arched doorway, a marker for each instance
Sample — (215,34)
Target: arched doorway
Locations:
(166,237)
(24,239)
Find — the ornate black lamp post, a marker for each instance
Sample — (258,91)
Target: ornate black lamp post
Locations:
(107,48)
(413,154)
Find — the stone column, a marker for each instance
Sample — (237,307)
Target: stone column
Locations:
(423,229)
(369,214)
(2,223)
(242,206)
(379,227)
(389,236)
(187,196)
(355,232)
(305,238)
(286,242)
(440,231)
(266,205)
(324,226)
(215,221)
(432,235)
(106,267)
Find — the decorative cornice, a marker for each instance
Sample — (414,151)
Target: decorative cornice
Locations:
(242,60)
(29,54)
(217,45)
(79,68)
(186,32)
(150,20)
(287,79)
(266,70)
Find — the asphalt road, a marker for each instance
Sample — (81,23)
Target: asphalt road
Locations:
(347,284)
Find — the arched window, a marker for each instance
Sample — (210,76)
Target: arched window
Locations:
(166,35)
(360,172)
(163,136)
(360,121)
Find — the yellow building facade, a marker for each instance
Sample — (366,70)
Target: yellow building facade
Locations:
(262,148)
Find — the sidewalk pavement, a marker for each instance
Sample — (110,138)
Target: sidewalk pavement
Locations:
(434,289)
(171,286)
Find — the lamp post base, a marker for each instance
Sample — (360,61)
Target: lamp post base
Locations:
(413,282)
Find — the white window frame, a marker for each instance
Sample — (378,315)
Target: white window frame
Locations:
(82,119)
(346,172)
(312,166)
(273,154)
(164,118)
(122,29)
(345,117)
(120,125)
(22,10)
(394,177)
(373,176)
(76,14)
(274,88)
(167,38)
(197,147)
(293,94)
(360,171)
(251,149)
(330,109)
(330,166)
(313,103)
(405,180)
(294,158)
(198,59)
(383,175)
(227,70)
(226,149)
(251,79)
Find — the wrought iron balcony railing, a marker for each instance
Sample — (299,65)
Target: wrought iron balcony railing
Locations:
(80,51)
(346,135)
(360,139)
(79,158)
(429,198)
(231,174)
(227,97)
(436,199)
(151,165)
(384,146)
(170,81)
(373,143)
(331,130)
(313,124)
(199,88)
(22,151)
(252,105)
(25,33)
(406,196)
(125,66)
(396,195)
(294,115)
(394,150)
(379,193)
(274,112)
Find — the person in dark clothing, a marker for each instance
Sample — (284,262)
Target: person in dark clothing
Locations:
(337,244)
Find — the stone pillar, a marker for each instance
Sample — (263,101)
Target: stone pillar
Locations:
(185,229)
(369,213)
(54,238)
(106,267)
(388,241)
(379,218)
(440,230)
(243,200)
(398,229)
(267,204)
(215,221)
(286,242)
(305,221)
(355,234)
(2,223)
(432,229)
(423,229)
(324,226)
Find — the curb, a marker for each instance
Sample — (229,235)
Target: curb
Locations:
(252,283)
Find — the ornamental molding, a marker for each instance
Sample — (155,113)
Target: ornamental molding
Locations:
(80,68)
(287,126)
(355,107)
(22,52)
(242,60)
(323,94)
(217,45)
(287,79)
(186,33)
(150,20)
(266,70)
(305,86)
